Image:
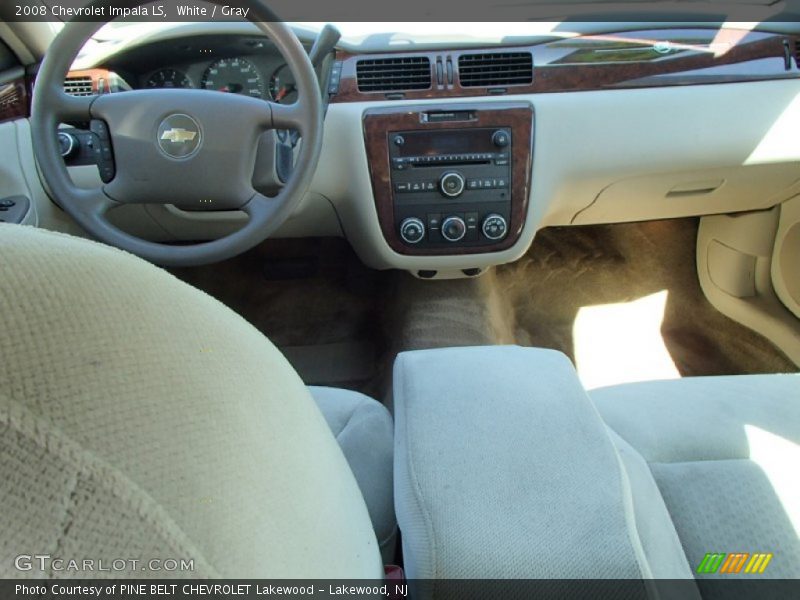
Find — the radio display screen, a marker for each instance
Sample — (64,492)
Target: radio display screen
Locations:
(445,141)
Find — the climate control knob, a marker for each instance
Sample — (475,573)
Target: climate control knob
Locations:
(412,230)
(454,229)
(494,227)
(452,184)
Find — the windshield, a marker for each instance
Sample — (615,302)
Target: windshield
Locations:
(389,33)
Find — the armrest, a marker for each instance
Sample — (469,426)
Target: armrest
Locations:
(504,469)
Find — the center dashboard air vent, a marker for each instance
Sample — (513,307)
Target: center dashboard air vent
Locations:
(78,86)
(493,69)
(394,74)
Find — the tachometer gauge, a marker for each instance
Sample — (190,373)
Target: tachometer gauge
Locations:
(235,76)
(282,86)
(169,78)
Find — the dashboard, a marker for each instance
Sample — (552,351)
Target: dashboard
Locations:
(637,125)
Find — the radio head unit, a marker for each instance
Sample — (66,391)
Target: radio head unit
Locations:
(450,179)
(451,186)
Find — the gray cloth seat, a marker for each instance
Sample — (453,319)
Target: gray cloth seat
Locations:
(365,432)
(501,449)
(141,418)
(724,453)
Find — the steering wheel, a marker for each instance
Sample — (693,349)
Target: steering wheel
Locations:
(194,149)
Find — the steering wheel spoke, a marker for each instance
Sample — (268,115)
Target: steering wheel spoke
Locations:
(93,202)
(72,108)
(288,116)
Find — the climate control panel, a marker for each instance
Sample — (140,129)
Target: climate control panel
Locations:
(453,228)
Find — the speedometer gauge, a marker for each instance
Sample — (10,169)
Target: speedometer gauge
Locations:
(169,78)
(235,76)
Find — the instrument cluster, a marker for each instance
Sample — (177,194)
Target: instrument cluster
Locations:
(258,76)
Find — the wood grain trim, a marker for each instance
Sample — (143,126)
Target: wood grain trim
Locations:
(14,100)
(561,76)
(380,122)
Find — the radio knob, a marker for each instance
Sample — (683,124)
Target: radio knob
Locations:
(500,138)
(454,229)
(494,227)
(452,184)
(412,230)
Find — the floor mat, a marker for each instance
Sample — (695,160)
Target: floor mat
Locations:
(636,273)
(622,301)
(313,299)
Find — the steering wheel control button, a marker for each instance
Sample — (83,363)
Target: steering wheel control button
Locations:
(412,230)
(454,229)
(494,227)
(452,184)
(500,138)
(179,136)
(103,155)
(67,144)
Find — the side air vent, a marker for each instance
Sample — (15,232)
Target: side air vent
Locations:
(394,74)
(495,69)
(78,86)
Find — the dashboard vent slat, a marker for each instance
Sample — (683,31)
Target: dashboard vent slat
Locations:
(495,69)
(394,74)
(79,86)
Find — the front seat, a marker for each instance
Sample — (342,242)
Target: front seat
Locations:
(141,419)
(723,453)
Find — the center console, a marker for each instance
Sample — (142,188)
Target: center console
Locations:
(504,470)
(450,179)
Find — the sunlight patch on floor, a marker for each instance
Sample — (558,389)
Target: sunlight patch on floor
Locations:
(620,343)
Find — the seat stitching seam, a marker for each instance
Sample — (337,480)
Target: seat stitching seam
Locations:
(347,423)
(417,489)
(68,519)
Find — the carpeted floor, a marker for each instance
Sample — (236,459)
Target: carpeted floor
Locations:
(341,324)
(314,300)
(570,268)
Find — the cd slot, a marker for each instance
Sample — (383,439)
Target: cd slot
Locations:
(465,159)
(453,161)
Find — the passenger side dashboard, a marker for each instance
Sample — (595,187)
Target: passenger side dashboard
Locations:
(631,59)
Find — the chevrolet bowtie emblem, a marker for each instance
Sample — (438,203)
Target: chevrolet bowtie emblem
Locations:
(179,135)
